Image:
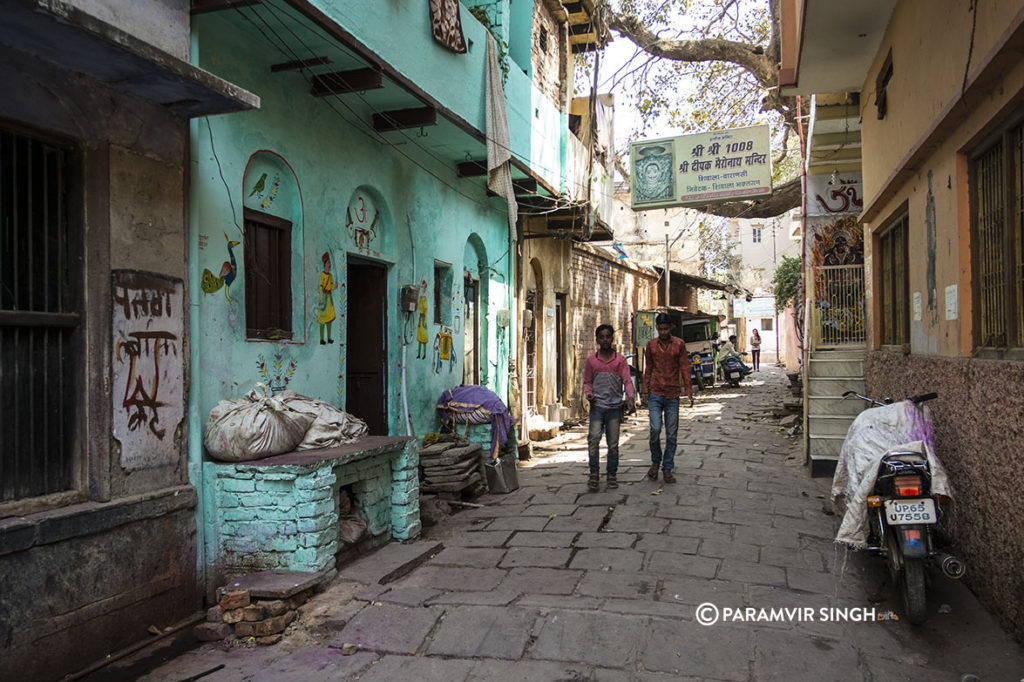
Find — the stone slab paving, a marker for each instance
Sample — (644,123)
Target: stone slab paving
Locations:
(553,582)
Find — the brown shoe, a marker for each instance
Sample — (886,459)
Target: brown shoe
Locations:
(670,477)
(613,483)
(593,482)
(652,473)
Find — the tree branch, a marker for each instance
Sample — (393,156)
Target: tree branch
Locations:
(782,199)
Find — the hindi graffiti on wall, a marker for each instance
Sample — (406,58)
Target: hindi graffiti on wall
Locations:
(148,366)
(697,169)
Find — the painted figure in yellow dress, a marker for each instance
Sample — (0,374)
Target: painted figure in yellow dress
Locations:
(421,328)
(325,307)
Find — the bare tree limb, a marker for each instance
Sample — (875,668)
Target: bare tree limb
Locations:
(783,198)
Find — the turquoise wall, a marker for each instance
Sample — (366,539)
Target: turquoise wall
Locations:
(330,180)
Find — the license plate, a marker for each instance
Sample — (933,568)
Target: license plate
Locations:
(904,512)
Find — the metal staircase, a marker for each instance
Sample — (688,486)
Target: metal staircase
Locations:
(827,416)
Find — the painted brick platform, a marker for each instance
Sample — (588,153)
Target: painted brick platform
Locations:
(282,512)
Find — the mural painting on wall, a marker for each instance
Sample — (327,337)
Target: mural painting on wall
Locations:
(835,194)
(361,219)
(839,291)
(325,301)
(265,195)
(228,272)
(148,368)
(421,328)
(443,350)
(278,373)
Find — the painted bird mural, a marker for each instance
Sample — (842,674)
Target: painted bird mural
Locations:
(260,185)
(228,271)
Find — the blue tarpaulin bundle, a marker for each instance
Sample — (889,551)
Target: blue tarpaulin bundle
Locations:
(476,405)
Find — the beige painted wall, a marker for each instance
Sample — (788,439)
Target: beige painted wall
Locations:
(926,83)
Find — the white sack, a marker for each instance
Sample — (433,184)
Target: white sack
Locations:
(875,432)
(330,427)
(256,426)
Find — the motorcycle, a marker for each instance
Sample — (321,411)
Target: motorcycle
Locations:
(896,493)
(702,369)
(733,369)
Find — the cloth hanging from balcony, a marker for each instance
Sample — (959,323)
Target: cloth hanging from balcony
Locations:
(447,24)
(499,143)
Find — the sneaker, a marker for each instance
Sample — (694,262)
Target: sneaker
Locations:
(652,473)
(613,483)
(593,481)
(670,477)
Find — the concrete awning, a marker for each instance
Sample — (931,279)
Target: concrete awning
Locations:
(63,35)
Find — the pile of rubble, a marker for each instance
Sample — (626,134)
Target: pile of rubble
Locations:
(258,605)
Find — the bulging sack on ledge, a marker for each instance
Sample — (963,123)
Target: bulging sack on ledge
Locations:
(330,426)
(256,426)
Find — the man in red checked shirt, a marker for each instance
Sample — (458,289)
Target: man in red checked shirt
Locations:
(666,375)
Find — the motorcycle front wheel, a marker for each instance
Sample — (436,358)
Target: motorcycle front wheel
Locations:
(915,607)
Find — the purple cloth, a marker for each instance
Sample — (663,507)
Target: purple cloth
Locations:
(458,405)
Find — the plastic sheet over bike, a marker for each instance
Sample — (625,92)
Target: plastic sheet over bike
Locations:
(875,432)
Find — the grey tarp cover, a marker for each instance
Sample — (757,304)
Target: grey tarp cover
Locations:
(900,426)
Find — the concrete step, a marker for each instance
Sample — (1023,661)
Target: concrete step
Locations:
(819,386)
(826,446)
(845,354)
(829,425)
(835,367)
(822,466)
(833,405)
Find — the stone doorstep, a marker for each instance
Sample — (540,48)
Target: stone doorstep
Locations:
(276,584)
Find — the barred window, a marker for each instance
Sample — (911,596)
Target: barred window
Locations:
(39,319)
(894,323)
(997,214)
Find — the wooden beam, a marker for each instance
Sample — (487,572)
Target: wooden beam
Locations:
(399,119)
(341,82)
(299,64)
(469,169)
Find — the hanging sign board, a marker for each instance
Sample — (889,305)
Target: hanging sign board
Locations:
(722,165)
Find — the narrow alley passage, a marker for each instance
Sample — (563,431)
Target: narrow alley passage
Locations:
(551,582)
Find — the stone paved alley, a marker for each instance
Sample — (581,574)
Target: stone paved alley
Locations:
(554,583)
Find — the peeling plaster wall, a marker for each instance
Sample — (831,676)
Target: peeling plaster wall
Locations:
(548,63)
(978,435)
(341,177)
(85,576)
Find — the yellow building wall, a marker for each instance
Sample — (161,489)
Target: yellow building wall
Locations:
(924,92)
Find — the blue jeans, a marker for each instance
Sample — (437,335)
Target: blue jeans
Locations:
(668,408)
(605,420)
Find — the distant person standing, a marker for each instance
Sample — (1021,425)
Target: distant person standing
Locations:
(755,350)
(666,375)
(609,389)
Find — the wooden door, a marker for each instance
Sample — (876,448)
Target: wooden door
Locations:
(367,351)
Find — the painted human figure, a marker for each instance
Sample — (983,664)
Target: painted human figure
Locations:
(325,309)
(421,328)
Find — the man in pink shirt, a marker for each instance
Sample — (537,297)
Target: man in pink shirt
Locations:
(666,373)
(609,389)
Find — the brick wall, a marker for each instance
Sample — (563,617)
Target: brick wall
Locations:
(604,291)
(286,516)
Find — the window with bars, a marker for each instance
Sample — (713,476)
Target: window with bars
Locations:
(268,276)
(756,234)
(894,322)
(997,209)
(40,318)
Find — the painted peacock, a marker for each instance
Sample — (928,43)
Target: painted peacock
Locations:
(228,271)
